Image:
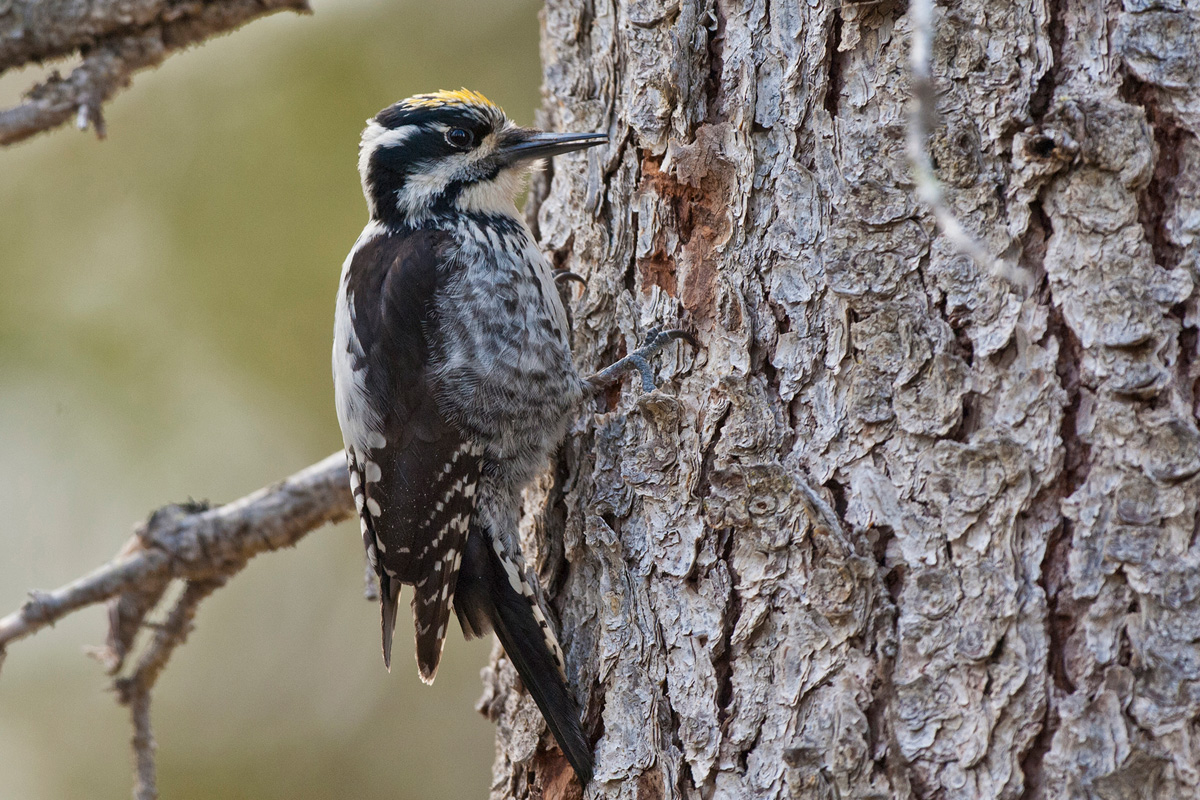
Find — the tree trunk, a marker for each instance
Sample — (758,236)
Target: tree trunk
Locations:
(1000,594)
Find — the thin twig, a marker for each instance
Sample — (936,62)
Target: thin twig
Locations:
(199,546)
(145,785)
(135,690)
(46,608)
(922,120)
(167,636)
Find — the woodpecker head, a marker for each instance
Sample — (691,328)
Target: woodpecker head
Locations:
(451,152)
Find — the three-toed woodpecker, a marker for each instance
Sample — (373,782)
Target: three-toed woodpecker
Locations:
(454,381)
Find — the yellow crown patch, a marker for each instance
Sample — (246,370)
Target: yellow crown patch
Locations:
(444,98)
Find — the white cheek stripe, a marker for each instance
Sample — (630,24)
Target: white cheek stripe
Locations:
(375,136)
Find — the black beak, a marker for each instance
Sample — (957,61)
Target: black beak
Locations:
(526,144)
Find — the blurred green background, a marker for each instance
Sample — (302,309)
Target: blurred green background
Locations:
(166,308)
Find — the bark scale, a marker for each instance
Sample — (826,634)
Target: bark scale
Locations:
(1009,602)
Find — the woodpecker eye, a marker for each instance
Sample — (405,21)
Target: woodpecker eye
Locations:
(460,137)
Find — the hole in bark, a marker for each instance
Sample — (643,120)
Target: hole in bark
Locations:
(968,423)
(833,90)
(879,536)
(1125,651)
(704,488)
(1041,147)
(559,256)
(1070,356)
(1195,533)
(716,61)
(839,497)
(761,361)
(1060,620)
(650,784)
(783,321)
(1189,347)
(631,268)
(1033,249)
(1032,763)
(1039,104)
(1159,194)
(1062,611)
(723,665)
(894,581)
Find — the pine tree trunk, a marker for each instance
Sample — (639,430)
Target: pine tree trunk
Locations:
(1001,597)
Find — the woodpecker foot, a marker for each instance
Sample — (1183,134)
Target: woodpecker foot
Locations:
(638,360)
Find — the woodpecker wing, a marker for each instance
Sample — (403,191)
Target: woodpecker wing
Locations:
(413,473)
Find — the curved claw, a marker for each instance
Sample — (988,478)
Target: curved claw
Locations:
(564,275)
(671,335)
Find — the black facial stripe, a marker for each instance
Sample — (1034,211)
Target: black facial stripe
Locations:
(422,147)
(485,170)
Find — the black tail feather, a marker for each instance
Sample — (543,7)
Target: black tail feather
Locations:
(486,599)
(389,599)
(473,595)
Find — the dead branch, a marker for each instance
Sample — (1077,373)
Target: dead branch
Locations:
(116,38)
(202,546)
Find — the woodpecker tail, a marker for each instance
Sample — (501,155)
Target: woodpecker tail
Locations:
(389,599)
(492,594)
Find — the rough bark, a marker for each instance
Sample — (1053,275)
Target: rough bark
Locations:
(1008,601)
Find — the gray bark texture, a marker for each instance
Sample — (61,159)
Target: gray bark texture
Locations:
(1006,601)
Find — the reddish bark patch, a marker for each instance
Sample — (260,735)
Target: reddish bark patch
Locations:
(699,292)
(555,778)
(694,207)
(651,786)
(658,270)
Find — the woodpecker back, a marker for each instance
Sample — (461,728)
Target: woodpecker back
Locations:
(454,381)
